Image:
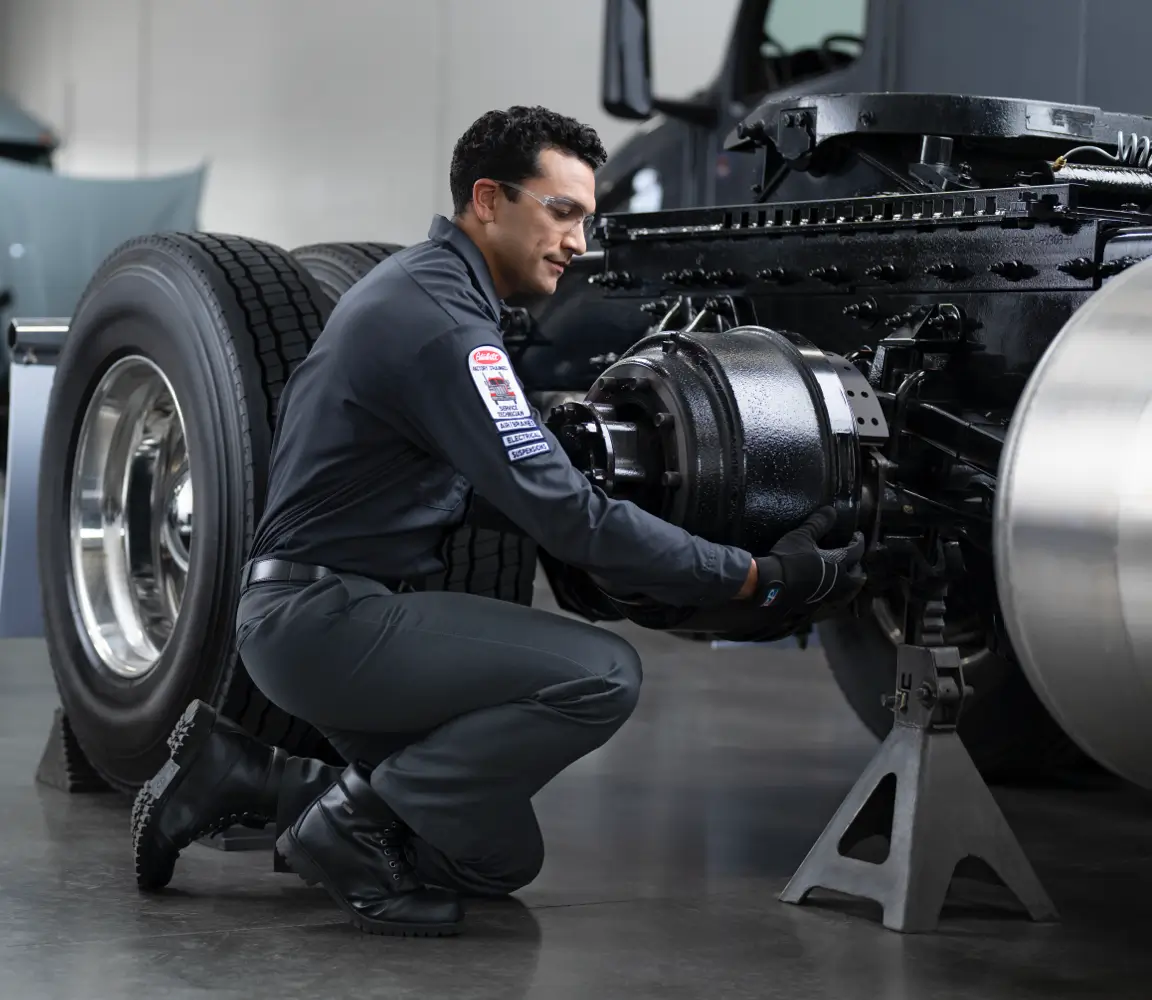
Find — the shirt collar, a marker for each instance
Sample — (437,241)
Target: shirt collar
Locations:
(447,233)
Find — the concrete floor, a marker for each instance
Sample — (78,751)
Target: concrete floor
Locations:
(667,850)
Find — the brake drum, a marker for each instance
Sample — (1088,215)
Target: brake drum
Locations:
(1073,533)
(735,435)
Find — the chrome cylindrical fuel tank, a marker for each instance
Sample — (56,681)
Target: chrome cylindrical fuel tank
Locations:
(1073,531)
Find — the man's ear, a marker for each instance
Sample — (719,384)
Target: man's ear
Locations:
(484,195)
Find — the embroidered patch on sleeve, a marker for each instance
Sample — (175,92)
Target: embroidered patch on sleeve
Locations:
(522,437)
(528,450)
(497,384)
(523,424)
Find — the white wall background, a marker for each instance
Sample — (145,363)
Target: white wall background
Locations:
(319,120)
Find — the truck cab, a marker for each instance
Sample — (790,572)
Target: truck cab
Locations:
(676,159)
(681,157)
(1073,52)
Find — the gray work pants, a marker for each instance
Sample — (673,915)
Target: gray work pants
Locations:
(462,706)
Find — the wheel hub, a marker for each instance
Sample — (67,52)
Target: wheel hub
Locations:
(131,517)
(734,435)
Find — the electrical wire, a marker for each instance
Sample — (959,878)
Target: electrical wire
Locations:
(1131,151)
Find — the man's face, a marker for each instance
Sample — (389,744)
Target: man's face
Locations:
(532,243)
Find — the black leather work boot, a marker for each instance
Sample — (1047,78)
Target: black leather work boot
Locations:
(350,842)
(217,776)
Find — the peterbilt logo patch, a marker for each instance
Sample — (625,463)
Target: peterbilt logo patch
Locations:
(497,384)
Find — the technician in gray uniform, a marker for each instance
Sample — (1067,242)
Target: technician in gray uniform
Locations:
(452,710)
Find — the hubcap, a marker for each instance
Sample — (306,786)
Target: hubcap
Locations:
(131,516)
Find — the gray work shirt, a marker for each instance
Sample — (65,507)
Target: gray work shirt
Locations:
(407,407)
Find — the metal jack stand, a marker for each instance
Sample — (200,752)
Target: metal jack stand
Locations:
(942,812)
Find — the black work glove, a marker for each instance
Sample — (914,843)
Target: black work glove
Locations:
(797,574)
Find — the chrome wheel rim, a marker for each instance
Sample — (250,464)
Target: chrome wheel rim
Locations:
(131,517)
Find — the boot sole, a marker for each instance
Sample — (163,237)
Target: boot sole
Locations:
(307,869)
(154,864)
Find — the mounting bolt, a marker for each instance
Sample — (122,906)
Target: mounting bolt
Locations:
(865,310)
(946,270)
(831,274)
(754,131)
(1079,267)
(885,272)
(1013,270)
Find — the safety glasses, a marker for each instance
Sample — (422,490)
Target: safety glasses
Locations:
(564,211)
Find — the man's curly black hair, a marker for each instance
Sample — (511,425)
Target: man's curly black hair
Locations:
(506,145)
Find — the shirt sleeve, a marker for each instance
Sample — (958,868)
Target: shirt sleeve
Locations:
(466,399)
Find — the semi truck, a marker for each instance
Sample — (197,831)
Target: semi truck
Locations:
(836,275)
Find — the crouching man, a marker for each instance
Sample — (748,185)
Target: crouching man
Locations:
(451,710)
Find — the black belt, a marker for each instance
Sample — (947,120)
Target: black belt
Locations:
(281,571)
(285,571)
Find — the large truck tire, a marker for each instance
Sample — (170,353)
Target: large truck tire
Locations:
(477,560)
(1005,729)
(338,266)
(156,448)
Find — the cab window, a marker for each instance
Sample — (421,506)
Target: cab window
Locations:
(799,40)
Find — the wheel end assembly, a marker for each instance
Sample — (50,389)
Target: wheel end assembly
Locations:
(735,435)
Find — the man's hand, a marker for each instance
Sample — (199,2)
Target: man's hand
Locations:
(797,572)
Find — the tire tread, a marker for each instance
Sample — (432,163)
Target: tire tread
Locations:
(282,333)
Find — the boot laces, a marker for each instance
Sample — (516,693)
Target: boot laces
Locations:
(392,839)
